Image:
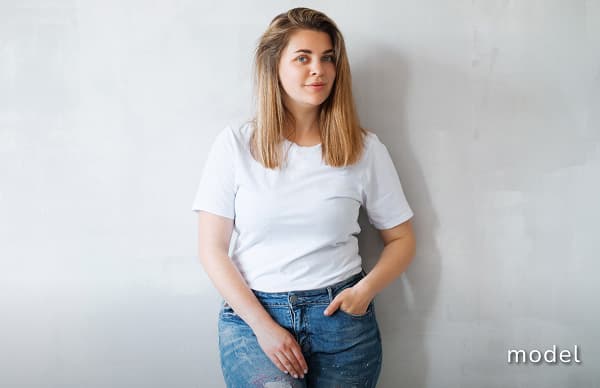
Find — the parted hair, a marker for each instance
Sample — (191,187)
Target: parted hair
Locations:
(341,133)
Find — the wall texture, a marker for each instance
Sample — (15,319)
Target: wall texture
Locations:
(490,109)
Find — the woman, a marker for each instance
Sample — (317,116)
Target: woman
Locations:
(298,308)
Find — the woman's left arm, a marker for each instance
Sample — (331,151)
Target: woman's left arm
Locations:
(397,254)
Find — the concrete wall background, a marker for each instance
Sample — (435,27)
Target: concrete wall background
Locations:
(490,109)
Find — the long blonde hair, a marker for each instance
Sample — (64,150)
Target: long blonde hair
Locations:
(341,134)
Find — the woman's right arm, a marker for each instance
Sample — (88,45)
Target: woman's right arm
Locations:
(214,235)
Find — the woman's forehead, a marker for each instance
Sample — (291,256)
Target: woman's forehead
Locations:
(309,40)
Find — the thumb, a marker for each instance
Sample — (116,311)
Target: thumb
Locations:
(333,306)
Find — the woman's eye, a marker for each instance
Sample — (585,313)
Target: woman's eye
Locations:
(327,58)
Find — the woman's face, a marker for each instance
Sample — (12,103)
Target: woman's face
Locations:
(308,59)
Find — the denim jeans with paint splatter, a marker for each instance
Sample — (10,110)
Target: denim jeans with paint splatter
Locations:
(341,350)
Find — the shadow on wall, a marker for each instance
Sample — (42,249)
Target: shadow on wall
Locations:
(404,306)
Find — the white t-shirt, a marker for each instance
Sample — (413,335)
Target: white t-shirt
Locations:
(297,227)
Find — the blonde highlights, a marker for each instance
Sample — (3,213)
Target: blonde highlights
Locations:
(341,134)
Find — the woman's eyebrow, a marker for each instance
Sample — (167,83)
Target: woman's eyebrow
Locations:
(310,52)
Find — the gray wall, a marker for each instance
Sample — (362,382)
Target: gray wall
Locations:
(490,109)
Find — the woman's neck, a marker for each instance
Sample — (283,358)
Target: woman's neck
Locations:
(305,131)
(305,118)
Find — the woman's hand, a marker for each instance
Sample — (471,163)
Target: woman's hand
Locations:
(351,300)
(282,349)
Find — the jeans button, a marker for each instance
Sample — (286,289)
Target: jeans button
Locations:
(293,299)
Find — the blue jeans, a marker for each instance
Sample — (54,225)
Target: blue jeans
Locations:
(341,350)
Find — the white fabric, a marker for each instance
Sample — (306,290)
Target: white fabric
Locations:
(297,227)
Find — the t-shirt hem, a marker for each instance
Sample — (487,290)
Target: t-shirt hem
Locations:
(214,211)
(287,287)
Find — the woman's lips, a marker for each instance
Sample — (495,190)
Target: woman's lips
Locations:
(316,86)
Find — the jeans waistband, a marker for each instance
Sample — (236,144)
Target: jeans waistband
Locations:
(329,290)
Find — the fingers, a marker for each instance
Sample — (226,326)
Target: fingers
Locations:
(348,301)
(289,359)
(333,306)
(282,349)
(300,358)
(279,364)
(292,366)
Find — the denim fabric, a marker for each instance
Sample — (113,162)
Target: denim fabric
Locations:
(342,350)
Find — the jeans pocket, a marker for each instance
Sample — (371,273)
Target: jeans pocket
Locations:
(366,314)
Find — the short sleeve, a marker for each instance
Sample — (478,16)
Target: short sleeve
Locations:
(216,191)
(383,197)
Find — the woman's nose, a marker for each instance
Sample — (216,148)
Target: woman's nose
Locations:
(316,69)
